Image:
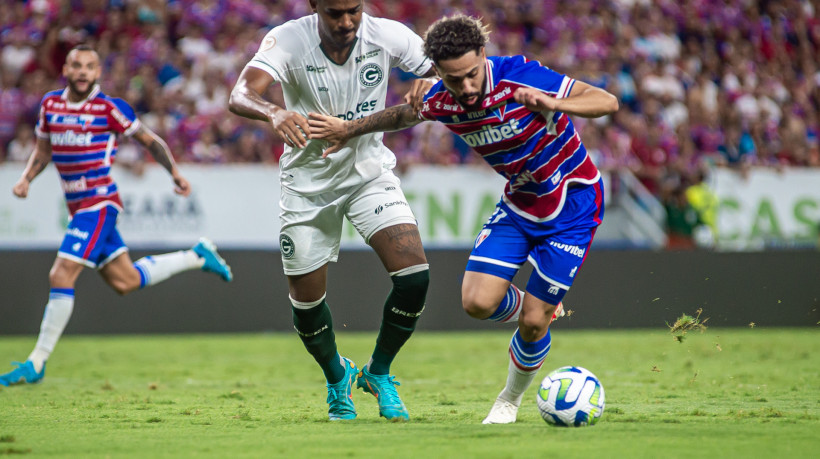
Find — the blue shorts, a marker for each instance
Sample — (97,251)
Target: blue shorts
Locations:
(92,239)
(556,248)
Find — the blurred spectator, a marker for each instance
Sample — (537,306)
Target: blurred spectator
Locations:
(733,83)
(22,144)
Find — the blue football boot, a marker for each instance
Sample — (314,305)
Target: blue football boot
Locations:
(213,262)
(383,387)
(339,395)
(23,374)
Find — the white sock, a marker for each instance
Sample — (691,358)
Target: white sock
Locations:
(156,268)
(517,383)
(58,311)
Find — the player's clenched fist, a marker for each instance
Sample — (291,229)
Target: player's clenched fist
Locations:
(20,188)
(328,128)
(534,99)
(291,128)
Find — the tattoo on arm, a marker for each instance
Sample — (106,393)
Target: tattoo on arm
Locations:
(157,147)
(390,119)
(161,154)
(39,160)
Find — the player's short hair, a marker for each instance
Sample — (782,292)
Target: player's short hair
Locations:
(83,47)
(454,36)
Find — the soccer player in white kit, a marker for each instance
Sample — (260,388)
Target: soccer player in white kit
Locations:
(336,62)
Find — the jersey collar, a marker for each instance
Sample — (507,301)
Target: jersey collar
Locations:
(76,105)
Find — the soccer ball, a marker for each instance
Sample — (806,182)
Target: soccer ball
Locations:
(571,396)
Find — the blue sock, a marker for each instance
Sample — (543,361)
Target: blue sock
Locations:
(510,307)
(529,356)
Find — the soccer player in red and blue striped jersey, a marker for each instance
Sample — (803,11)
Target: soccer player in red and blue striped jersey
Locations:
(77,131)
(515,114)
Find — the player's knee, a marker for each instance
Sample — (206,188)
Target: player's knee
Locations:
(477,306)
(124,286)
(410,288)
(533,326)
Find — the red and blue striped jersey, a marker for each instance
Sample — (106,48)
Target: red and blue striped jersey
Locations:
(539,153)
(83,137)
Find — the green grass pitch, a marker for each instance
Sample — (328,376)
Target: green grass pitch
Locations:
(747,393)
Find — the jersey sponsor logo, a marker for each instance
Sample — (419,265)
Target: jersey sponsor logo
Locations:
(125,122)
(553,290)
(368,55)
(361,108)
(476,115)
(446,107)
(70,138)
(521,180)
(493,134)
(76,247)
(311,68)
(77,233)
(322,89)
(73,186)
(573,271)
(287,246)
(371,75)
(484,234)
(570,249)
(556,177)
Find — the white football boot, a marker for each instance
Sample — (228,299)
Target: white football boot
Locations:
(502,412)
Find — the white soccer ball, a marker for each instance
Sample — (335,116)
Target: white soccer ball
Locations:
(571,396)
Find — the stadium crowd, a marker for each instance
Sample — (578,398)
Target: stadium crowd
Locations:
(701,82)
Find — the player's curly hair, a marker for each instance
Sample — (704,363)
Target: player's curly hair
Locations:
(452,37)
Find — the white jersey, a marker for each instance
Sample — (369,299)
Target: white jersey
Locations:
(311,82)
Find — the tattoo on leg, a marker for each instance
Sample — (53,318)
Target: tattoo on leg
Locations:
(405,238)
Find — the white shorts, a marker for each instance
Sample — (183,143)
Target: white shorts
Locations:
(312,225)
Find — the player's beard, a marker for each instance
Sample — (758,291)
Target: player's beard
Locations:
(80,95)
(479,98)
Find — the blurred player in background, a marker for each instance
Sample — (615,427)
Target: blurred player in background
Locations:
(337,62)
(513,112)
(77,130)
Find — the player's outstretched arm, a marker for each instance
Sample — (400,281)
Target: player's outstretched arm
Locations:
(38,161)
(246,100)
(584,100)
(162,154)
(337,131)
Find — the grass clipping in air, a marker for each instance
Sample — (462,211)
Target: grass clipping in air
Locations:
(687,323)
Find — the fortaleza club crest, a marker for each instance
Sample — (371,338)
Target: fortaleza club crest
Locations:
(287,246)
(370,75)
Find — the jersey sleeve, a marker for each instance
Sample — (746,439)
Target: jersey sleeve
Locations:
(274,53)
(405,47)
(121,117)
(533,74)
(41,130)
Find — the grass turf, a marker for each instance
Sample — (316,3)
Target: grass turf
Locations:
(724,393)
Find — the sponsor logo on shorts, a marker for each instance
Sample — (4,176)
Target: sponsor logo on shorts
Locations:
(287,246)
(77,233)
(381,207)
(371,75)
(571,249)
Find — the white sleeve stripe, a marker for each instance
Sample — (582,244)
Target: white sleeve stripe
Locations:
(133,128)
(266,68)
